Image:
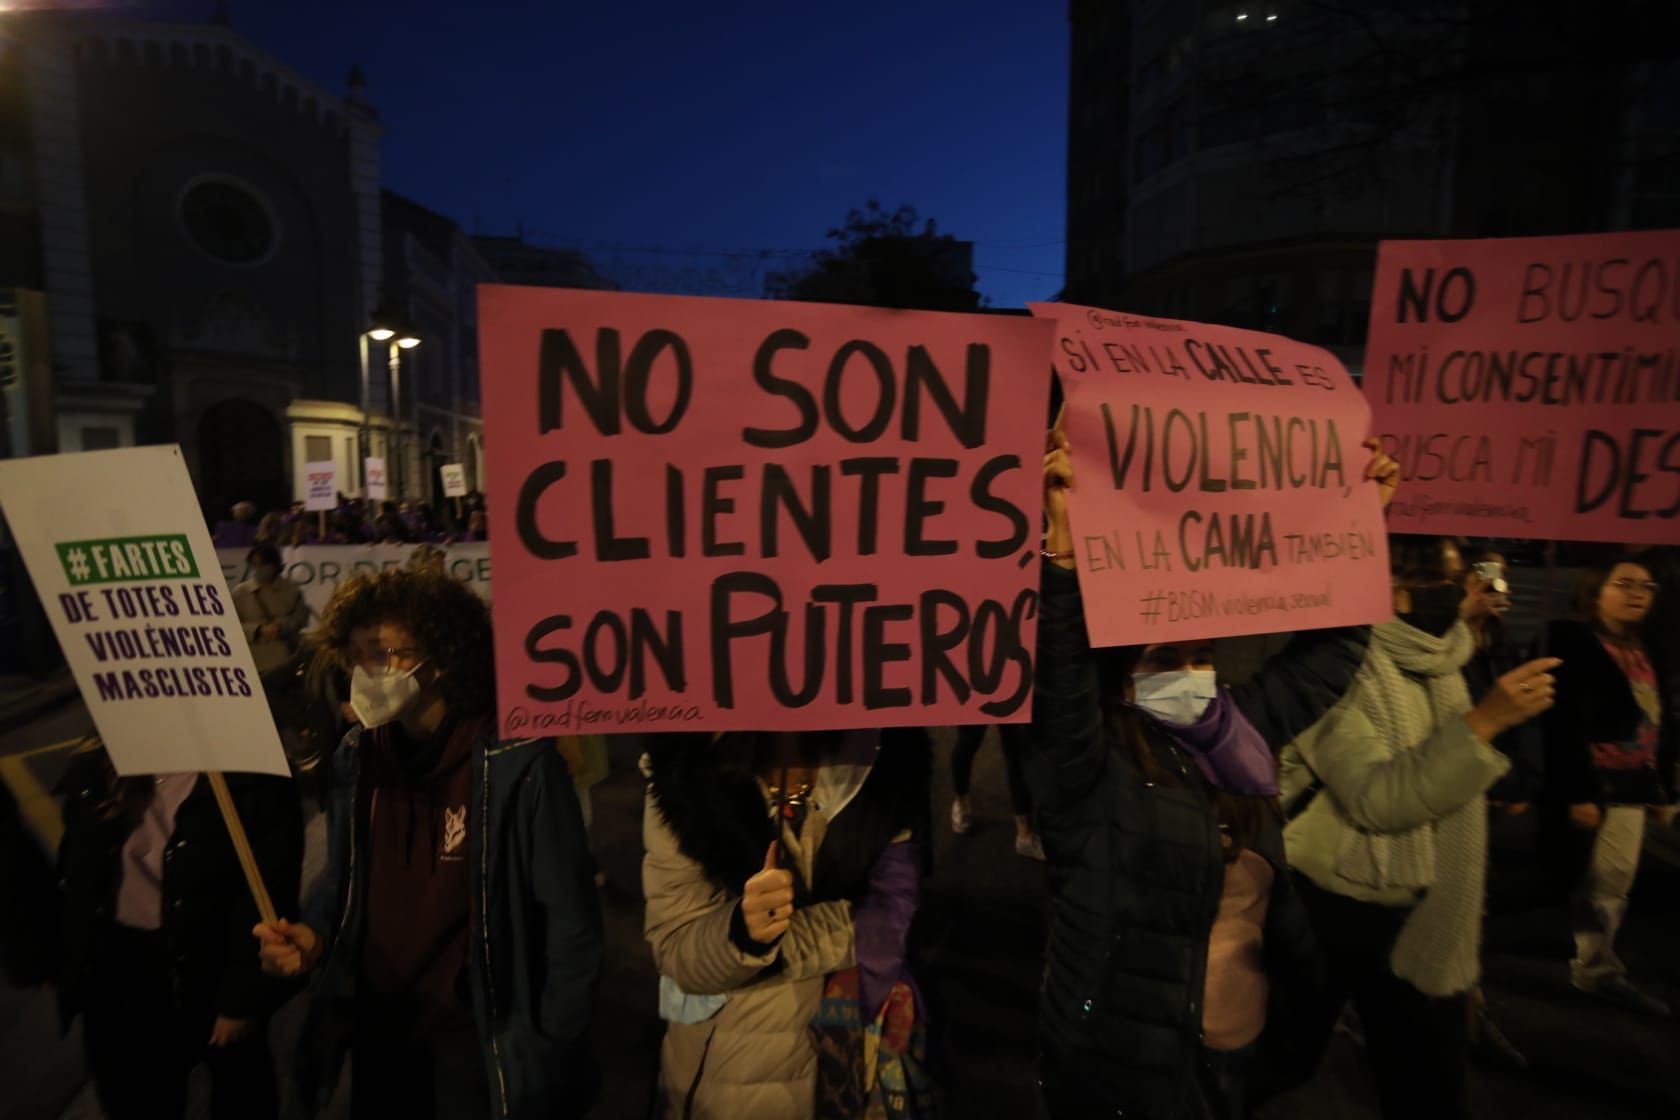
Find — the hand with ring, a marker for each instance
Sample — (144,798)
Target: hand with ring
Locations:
(1515,698)
(767,901)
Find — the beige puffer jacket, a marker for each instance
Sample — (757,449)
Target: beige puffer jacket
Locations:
(753,1059)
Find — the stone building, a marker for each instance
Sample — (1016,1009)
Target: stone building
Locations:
(203,227)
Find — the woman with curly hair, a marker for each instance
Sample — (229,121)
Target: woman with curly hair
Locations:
(455,934)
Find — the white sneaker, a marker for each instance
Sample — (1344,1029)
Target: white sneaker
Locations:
(962,818)
(1030,846)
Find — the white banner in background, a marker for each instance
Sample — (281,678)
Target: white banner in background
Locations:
(318,568)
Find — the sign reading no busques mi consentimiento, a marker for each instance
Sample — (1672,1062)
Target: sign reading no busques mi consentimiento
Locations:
(1530,387)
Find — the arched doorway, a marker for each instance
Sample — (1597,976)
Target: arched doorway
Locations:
(241,457)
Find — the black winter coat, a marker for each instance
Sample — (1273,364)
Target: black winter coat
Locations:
(1595,704)
(207,908)
(1138,870)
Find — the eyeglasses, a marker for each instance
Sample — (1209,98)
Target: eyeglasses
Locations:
(1649,586)
(382,658)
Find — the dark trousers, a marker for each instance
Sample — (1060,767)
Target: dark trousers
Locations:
(141,1046)
(1011,737)
(1417,1045)
(434,1079)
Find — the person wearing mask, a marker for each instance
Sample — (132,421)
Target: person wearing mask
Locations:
(1012,738)
(1388,829)
(1602,773)
(271,610)
(1487,600)
(155,943)
(455,936)
(1181,968)
(781,873)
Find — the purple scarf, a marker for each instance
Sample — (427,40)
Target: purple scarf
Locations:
(1230,752)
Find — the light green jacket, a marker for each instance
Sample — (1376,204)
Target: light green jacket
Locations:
(1368,788)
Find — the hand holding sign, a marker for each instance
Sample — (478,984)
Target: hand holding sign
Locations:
(767,901)
(1382,470)
(1058,480)
(287,948)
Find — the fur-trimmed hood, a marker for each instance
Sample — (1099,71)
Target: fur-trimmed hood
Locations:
(720,819)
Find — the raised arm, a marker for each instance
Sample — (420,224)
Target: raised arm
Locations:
(1067,753)
(1301,682)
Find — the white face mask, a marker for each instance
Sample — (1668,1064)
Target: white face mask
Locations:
(377,700)
(1180,697)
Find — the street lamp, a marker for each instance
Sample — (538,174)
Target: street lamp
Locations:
(389,329)
(399,341)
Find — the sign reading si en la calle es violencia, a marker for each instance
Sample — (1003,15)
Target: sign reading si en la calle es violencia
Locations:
(1219,481)
(1530,386)
(736,514)
(118,551)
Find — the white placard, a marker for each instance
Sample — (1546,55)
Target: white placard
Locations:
(377,490)
(323,486)
(454,480)
(121,558)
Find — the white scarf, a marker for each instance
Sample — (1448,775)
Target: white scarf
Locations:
(1409,687)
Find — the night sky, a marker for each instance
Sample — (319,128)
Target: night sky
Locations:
(621,126)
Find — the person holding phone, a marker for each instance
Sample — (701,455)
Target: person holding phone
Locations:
(1392,863)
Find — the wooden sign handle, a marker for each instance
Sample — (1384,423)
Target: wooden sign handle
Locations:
(242,847)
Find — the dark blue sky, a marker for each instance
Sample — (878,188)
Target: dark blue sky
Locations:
(683,124)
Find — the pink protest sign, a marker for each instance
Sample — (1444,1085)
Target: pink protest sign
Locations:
(1218,481)
(732,514)
(1530,387)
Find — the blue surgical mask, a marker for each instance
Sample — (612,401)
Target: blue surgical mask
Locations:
(1178,697)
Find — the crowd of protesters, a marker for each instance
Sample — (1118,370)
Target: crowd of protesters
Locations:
(354,521)
(1235,865)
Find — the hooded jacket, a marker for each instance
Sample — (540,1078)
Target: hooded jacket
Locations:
(534,942)
(1138,870)
(748,1055)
